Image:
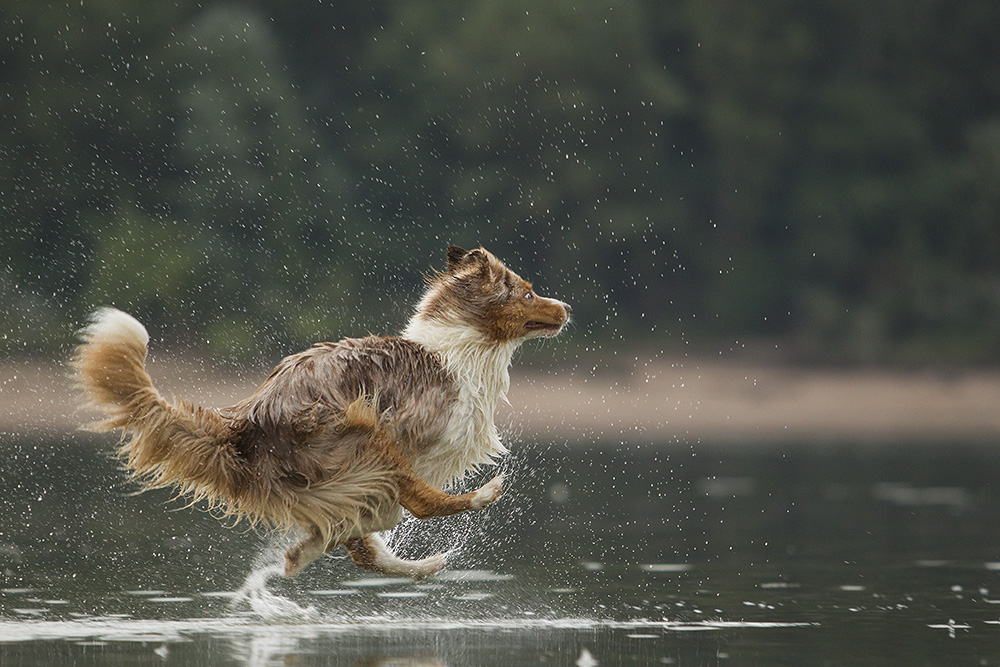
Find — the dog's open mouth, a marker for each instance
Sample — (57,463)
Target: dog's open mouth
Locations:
(535,325)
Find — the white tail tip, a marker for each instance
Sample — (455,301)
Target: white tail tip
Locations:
(110,325)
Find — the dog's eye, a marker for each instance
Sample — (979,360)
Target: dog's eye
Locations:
(528,296)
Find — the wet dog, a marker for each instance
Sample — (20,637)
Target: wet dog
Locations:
(343,436)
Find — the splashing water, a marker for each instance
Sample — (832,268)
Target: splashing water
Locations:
(412,538)
(456,535)
(254,593)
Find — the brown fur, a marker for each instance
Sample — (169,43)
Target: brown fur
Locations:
(491,297)
(329,442)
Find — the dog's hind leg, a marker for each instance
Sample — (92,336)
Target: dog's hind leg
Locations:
(372,553)
(425,501)
(304,553)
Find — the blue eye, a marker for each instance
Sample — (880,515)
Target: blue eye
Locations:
(529,296)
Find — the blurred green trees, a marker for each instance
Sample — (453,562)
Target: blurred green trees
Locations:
(259,175)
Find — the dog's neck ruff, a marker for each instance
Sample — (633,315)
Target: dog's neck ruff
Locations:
(467,354)
(480,370)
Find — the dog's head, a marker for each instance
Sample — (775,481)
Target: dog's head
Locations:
(478,291)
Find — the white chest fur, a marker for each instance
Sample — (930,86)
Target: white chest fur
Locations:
(480,373)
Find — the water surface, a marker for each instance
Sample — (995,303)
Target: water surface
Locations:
(661,554)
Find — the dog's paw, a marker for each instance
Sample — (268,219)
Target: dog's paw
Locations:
(487,493)
(293,561)
(303,553)
(299,556)
(428,567)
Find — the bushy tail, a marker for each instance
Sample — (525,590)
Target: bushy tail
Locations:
(110,366)
(166,444)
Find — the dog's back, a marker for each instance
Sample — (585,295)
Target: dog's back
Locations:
(405,385)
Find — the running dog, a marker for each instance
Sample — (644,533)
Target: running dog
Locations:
(343,436)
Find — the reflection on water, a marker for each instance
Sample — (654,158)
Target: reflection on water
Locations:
(659,555)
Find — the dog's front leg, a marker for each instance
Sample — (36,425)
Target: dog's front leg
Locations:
(424,501)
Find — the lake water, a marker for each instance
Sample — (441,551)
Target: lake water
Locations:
(702,554)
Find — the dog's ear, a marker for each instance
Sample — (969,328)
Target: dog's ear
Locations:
(455,257)
(472,263)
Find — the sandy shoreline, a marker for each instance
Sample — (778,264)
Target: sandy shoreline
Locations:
(684,401)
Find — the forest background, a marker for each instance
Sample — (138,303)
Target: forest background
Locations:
(249,177)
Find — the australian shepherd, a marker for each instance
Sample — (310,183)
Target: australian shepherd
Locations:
(343,436)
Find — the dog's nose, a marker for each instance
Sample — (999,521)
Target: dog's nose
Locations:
(568,308)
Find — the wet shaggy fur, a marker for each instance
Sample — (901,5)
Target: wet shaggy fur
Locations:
(343,436)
